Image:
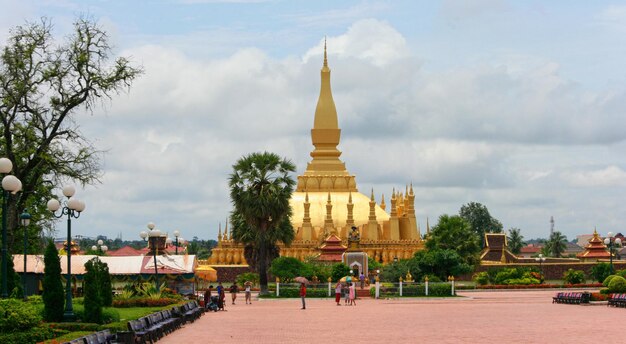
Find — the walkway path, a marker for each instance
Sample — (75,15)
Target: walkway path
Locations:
(478,317)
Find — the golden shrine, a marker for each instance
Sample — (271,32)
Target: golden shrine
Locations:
(327,203)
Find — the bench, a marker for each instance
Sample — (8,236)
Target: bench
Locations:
(617,300)
(100,337)
(575,298)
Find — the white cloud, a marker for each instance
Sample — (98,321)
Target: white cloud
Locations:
(611,176)
(368,39)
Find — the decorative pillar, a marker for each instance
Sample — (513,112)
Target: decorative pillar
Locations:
(372,224)
(426,288)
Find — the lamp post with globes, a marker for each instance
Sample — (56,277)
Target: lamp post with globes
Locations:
(25,221)
(72,208)
(540,260)
(153,237)
(100,248)
(611,241)
(178,240)
(10,185)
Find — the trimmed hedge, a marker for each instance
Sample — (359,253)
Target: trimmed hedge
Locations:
(413,290)
(33,335)
(292,292)
(144,302)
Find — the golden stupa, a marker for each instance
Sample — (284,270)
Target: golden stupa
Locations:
(327,202)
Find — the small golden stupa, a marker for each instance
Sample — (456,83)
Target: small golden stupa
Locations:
(327,202)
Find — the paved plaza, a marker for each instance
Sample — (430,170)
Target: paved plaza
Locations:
(475,317)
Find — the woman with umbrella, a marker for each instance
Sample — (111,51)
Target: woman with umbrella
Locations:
(303,281)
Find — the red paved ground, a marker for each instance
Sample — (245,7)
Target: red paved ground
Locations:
(478,317)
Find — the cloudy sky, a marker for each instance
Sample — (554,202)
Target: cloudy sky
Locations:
(516,105)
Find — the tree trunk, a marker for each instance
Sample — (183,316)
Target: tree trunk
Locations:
(262,263)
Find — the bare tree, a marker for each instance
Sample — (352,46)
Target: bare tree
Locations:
(43,86)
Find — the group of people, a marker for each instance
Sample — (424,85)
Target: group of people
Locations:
(348,291)
(220,300)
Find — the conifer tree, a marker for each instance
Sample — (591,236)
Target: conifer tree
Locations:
(93,301)
(52,287)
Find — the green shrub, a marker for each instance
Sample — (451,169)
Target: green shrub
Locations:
(481,278)
(338,271)
(143,302)
(33,335)
(17,316)
(76,326)
(248,276)
(287,268)
(607,280)
(289,292)
(507,274)
(572,276)
(600,271)
(617,285)
(35,300)
(523,281)
(621,273)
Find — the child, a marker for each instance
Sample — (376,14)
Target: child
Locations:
(352,294)
(248,293)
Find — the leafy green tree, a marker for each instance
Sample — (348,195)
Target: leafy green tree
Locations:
(44,84)
(260,190)
(53,296)
(454,233)
(601,271)
(556,244)
(339,270)
(479,218)
(440,263)
(287,268)
(105,285)
(515,240)
(93,297)
(372,264)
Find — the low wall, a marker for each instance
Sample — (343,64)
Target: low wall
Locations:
(551,271)
(228,273)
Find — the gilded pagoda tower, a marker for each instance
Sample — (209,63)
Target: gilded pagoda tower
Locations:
(327,203)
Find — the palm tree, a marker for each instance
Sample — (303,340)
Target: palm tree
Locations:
(515,240)
(556,244)
(260,190)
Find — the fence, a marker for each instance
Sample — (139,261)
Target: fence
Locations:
(379,290)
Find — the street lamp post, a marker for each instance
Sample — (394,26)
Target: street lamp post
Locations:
(611,241)
(153,237)
(10,185)
(72,208)
(25,221)
(177,236)
(540,259)
(101,247)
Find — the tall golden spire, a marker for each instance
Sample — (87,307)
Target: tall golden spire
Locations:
(325,136)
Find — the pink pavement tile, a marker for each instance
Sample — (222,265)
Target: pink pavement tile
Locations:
(475,317)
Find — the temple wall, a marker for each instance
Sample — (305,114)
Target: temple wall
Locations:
(551,271)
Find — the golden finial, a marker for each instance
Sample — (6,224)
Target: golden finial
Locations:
(393,194)
(328,196)
(306,197)
(350,197)
(411,189)
(382,201)
(219,233)
(372,196)
(325,58)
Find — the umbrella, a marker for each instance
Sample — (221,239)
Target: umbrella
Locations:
(301,280)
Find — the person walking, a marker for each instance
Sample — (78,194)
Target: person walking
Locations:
(353,295)
(248,293)
(221,296)
(338,293)
(303,294)
(362,279)
(207,298)
(234,289)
